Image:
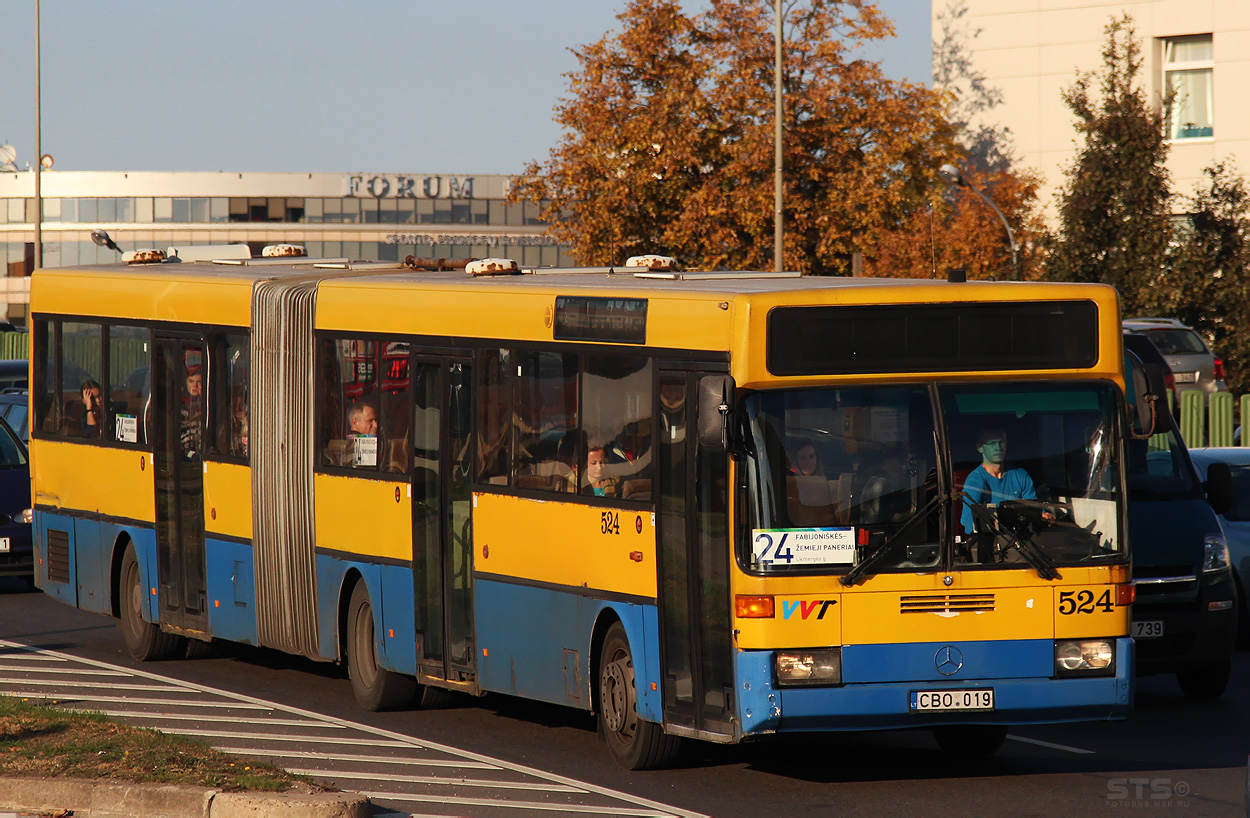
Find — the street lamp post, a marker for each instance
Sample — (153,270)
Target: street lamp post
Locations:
(778,244)
(951,175)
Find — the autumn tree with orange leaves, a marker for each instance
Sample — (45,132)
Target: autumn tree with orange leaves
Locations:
(668,143)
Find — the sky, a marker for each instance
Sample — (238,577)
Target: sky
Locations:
(321,86)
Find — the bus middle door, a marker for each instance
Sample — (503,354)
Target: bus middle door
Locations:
(178,415)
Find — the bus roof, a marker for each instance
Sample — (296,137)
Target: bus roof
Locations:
(709,312)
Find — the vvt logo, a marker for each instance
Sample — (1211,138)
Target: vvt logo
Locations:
(805,607)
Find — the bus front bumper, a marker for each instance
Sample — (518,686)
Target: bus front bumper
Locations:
(766,707)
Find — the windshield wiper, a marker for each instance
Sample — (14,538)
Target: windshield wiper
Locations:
(880,551)
(1031,553)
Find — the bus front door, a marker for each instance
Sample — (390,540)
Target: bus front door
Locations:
(177,430)
(696,653)
(442,554)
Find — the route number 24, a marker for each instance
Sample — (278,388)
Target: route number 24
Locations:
(1074,602)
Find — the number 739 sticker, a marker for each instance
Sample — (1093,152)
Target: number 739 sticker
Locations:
(803,546)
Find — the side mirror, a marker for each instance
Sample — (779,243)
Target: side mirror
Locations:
(716,400)
(1219,487)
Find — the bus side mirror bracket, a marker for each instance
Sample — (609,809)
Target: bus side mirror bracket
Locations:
(716,400)
(1153,416)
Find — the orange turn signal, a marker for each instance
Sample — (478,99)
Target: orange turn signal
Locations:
(753,607)
(1125,594)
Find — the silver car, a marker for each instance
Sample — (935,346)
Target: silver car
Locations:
(1192,362)
(1235,521)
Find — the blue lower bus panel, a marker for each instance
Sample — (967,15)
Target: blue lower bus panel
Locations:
(1002,668)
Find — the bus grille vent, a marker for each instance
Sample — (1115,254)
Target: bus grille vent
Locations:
(58,556)
(946,603)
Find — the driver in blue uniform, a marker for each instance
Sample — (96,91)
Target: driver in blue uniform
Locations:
(995,480)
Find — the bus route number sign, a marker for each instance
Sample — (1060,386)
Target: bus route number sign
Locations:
(771,547)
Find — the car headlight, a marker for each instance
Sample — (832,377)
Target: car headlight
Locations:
(809,667)
(1214,552)
(26,516)
(1087,657)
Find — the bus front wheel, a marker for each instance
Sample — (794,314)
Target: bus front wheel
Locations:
(376,688)
(970,740)
(635,744)
(144,640)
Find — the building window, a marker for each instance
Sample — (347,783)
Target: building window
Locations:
(1187,74)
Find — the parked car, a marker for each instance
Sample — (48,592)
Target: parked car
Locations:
(1192,362)
(16,554)
(14,373)
(15,410)
(1235,521)
(1185,614)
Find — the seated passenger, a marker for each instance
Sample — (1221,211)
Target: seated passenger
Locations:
(806,460)
(600,484)
(363,420)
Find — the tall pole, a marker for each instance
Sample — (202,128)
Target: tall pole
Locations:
(778,261)
(38,153)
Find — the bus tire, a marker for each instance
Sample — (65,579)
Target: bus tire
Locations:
(970,740)
(1205,683)
(145,641)
(635,744)
(375,687)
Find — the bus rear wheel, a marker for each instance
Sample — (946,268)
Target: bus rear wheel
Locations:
(635,744)
(970,740)
(376,688)
(145,641)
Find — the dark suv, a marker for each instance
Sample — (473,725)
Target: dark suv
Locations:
(1185,614)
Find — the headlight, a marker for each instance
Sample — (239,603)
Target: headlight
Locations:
(809,667)
(1214,552)
(26,516)
(1092,657)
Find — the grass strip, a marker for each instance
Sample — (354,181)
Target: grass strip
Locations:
(39,739)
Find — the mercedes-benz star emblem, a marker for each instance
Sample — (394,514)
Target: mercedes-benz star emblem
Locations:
(948,660)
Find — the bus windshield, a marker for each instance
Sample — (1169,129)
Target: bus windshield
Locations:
(987,475)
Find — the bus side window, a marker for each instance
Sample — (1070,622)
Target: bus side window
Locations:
(617,422)
(82,351)
(47,416)
(129,384)
(545,417)
(494,416)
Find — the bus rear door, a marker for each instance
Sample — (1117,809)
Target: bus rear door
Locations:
(442,552)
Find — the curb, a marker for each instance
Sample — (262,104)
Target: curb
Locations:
(113,799)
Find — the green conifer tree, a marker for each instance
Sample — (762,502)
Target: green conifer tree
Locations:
(1114,214)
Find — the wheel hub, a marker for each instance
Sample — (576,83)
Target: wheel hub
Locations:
(615,697)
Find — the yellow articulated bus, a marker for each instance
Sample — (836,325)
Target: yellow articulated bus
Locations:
(701,505)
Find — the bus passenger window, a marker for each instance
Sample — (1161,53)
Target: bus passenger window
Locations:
(494,417)
(232,374)
(351,404)
(82,397)
(47,409)
(617,421)
(395,397)
(130,385)
(545,418)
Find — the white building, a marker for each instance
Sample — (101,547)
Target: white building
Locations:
(1031,50)
(367,216)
